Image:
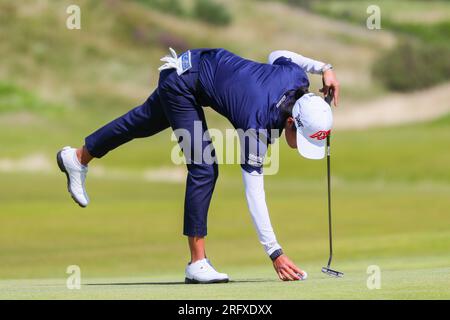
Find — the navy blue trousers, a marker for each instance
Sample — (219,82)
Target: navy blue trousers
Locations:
(173,104)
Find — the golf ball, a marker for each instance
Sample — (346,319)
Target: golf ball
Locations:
(303,276)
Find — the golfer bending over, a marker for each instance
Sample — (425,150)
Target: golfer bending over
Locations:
(252,96)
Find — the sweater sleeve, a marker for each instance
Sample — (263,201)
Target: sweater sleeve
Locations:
(307,64)
(254,192)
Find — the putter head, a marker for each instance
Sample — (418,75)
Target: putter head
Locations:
(332,273)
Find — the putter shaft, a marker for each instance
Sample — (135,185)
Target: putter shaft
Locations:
(330,233)
(327,269)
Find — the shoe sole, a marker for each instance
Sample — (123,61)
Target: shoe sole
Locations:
(63,169)
(193,281)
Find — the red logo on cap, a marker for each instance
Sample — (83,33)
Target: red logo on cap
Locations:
(320,135)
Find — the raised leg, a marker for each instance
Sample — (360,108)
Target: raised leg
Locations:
(142,121)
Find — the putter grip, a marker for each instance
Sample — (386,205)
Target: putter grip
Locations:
(329,97)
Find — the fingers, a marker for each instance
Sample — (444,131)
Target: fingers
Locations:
(173,53)
(287,270)
(296,269)
(167,66)
(292,273)
(163,67)
(336,95)
(334,91)
(325,90)
(168,59)
(286,275)
(280,275)
(330,82)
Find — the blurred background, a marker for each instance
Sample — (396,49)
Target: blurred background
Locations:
(391,144)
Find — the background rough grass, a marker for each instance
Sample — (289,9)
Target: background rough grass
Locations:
(421,58)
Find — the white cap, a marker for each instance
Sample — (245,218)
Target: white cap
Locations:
(313,119)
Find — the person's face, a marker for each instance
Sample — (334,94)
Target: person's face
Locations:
(290,132)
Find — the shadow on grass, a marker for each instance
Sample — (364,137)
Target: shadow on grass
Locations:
(168,283)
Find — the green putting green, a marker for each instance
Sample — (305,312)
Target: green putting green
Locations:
(424,278)
(390,204)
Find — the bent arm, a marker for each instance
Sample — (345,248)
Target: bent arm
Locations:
(307,64)
(256,201)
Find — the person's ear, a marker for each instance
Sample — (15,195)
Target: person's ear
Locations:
(290,123)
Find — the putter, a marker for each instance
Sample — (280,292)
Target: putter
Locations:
(327,269)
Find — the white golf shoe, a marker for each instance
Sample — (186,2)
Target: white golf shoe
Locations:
(202,271)
(75,173)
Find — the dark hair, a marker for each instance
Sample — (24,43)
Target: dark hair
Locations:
(288,101)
